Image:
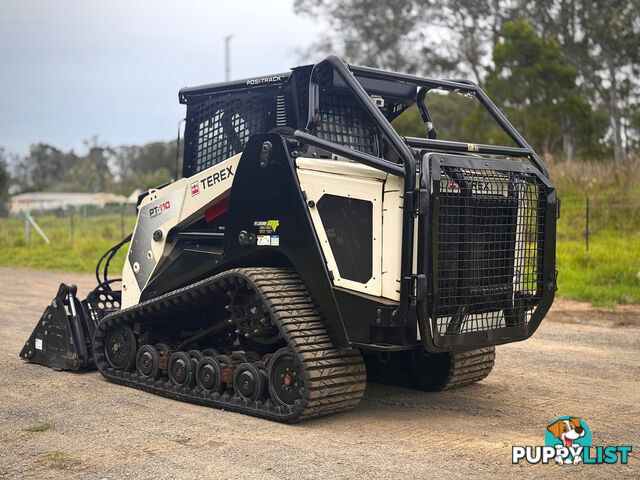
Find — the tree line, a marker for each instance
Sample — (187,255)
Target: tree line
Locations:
(566,72)
(100,167)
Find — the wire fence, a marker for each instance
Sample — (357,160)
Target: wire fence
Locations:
(582,219)
(79,219)
(585,218)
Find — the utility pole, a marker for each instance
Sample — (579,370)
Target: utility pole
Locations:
(227,39)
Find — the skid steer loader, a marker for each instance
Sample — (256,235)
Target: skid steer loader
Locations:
(309,246)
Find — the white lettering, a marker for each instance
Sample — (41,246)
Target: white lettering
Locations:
(547,454)
(517,454)
(531,458)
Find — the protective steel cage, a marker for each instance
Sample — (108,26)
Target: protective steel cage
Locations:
(219,127)
(343,121)
(492,225)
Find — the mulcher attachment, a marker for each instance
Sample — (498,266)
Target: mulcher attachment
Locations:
(62,339)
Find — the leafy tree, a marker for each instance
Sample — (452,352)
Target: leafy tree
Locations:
(429,37)
(5,179)
(536,87)
(91,172)
(374,33)
(602,40)
(44,166)
(146,158)
(633,127)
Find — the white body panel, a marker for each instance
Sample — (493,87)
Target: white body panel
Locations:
(178,204)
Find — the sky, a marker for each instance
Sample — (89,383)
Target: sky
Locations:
(72,69)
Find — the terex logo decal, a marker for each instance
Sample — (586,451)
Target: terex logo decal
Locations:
(158,209)
(194,189)
(476,185)
(214,178)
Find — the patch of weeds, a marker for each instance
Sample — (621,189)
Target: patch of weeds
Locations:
(43,427)
(53,458)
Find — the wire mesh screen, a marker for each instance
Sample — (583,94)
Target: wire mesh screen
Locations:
(342,120)
(220,128)
(489,249)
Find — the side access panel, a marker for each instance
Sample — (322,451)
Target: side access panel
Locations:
(345,204)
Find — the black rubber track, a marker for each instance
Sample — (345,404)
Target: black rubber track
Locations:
(442,372)
(469,367)
(334,379)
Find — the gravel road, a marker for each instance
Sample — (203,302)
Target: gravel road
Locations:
(581,362)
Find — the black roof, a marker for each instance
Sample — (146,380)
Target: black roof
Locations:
(186,93)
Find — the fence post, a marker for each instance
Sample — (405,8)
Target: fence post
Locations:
(37,228)
(122,220)
(71,217)
(26,225)
(586,234)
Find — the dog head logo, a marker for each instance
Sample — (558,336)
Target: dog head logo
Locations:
(570,435)
(567,431)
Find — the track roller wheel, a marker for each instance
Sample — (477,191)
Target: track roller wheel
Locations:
(208,375)
(249,382)
(163,348)
(224,360)
(197,354)
(252,357)
(147,362)
(239,357)
(285,382)
(120,347)
(210,352)
(384,364)
(181,369)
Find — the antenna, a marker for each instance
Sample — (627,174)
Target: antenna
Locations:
(227,39)
(175,177)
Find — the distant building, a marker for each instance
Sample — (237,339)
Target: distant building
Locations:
(133,198)
(54,200)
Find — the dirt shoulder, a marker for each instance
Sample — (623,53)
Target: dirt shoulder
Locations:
(581,362)
(571,311)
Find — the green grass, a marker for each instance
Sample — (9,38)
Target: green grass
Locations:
(43,427)
(609,272)
(65,254)
(607,275)
(53,458)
